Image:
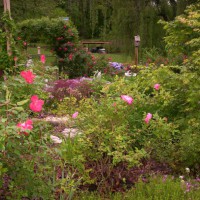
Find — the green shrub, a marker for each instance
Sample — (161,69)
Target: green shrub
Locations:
(161,188)
(7,32)
(24,164)
(183,36)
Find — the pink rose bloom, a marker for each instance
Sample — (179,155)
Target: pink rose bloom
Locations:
(43,59)
(148,117)
(127,99)
(28,76)
(156,86)
(70,56)
(36,104)
(75,115)
(25,126)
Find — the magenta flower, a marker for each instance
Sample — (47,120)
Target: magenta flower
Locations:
(43,58)
(70,56)
(36,104)
(28,76)
(156,86)
(25,126)
(75,115)
(148,117)
(127,99)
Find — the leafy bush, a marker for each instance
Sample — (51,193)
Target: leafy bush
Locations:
(160,188)
(183,36)
(78,88)
(7,31)
(63,39)
(24,163)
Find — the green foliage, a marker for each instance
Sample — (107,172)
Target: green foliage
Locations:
(63,40)
(160,188)
(7,33)
(29,9)
(119,131)
(25,161)
(60,35)
(183,36)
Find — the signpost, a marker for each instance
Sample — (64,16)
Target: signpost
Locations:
(137,44)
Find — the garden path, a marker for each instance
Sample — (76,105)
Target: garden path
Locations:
(61,128)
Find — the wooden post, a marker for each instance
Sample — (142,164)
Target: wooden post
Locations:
(38,50)
(136,56)
(6,4)
(137,44)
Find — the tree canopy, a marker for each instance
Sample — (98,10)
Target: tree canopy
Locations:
(117,20)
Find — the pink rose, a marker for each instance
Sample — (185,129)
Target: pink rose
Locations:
(36,104)
(148,117)
(43,59)
(127,99)
(25,126)
(75,115)
(156,86)
(70,56)
(28,76)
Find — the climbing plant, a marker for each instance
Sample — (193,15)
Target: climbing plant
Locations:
(7,32)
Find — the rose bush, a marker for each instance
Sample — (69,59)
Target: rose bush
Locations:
(23,140)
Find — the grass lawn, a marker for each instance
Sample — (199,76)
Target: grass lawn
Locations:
(51,59)
(116,57)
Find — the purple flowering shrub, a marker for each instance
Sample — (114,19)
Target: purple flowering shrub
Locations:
(78,88)
(116,65)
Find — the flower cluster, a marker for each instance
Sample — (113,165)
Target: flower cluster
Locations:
(75,115)
(43,59)
(28,76)
(36,104)
(27,125)
(148,117)
(116,65)
(129,100)
(156,86)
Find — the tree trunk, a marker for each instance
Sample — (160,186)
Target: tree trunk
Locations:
(7,9)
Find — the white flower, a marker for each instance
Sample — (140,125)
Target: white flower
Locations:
(46,80)
(181,177)
(56,139)
(128,73)
(134,74)
(97,75)
(187,170)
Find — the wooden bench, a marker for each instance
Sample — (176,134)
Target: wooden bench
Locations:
(94,42)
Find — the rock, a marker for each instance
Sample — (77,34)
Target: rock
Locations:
(70,132)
